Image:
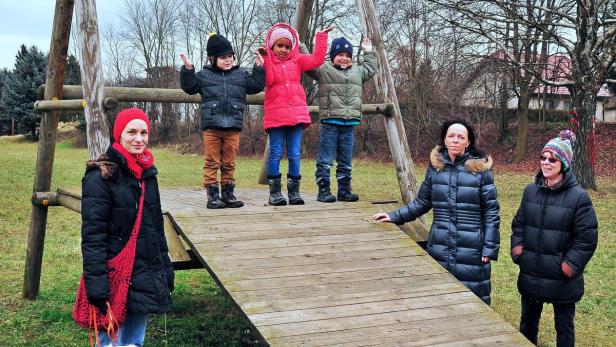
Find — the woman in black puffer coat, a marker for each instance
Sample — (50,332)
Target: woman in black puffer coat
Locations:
(459,188)
(111,190)
(554,237)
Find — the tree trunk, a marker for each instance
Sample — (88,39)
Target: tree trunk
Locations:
(503,117)
(92,77)
(583,167)
(521,141)
(47,145)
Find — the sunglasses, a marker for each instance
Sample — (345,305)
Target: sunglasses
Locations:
(550,160)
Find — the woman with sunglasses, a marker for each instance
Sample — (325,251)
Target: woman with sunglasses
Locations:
(459,188)
(554,237)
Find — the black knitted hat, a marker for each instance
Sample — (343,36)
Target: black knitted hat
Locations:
(218,45)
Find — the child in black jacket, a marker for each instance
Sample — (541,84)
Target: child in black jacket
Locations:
(223,87)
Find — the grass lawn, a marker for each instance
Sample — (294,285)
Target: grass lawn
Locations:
(202,315)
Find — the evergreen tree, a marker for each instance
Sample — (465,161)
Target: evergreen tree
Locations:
(20,90)
(5,119)
(72,75)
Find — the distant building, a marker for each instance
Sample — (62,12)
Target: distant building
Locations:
(558,68)
(485,88)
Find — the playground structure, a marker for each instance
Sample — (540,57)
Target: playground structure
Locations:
(322,278)
(94,99)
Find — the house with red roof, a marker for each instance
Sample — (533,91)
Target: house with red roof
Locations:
(558,69)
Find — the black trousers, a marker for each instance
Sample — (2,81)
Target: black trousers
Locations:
(563,321)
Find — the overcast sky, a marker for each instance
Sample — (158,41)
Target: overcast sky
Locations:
(29,22)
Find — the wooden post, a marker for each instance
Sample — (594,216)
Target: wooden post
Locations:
(398,144)
(92,77)
(303,11)
(47,145)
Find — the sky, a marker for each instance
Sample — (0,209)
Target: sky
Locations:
(29,22)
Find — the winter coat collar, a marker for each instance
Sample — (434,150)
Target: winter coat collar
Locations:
(472,164)
(110,164)
(218,70)
(569,180)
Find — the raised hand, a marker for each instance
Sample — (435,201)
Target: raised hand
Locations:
(366,45)
(259,59)
(186,62)
(329,28)
(262,51)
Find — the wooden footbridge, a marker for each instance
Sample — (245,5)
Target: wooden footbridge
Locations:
(326,274)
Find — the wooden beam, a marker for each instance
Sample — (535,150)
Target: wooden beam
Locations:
(57,199)
(56,64)
(59,105)
(92,77)
(398,144)
(70,105)
(303,12)
(164,94)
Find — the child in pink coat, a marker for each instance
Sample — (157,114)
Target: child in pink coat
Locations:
(285,108)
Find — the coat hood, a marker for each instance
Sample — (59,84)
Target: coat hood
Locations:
(569,180)
(294,50)
(472,164)
(106,165)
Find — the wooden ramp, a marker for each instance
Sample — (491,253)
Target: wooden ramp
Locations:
(325,274)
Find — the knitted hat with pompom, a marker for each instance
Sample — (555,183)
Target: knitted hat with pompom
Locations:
(561,147)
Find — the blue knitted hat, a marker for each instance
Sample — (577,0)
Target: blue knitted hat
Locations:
(340,45)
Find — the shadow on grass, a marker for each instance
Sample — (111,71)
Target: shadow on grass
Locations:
(202,316)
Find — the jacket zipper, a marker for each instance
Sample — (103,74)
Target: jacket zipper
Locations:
(540,235)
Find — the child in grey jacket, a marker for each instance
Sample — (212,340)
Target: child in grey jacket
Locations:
(340,99)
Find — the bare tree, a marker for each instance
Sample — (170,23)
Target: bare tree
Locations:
(586,33)
(501,36)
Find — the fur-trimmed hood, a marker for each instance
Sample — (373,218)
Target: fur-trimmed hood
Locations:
(107,166)
(473,165)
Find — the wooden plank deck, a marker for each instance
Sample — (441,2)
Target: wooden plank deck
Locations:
(326,274)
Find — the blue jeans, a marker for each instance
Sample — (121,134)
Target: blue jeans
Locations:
(132,331)
(336,142)
(293,138)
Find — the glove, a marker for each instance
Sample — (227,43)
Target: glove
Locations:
(366,45)
(100,304)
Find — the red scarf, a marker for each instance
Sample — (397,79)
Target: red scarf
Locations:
(136,162)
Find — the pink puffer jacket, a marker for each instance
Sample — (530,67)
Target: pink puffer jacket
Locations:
(285,100)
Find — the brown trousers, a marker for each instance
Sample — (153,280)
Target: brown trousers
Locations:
(220,148)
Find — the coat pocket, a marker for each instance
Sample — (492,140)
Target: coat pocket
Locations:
(208,108)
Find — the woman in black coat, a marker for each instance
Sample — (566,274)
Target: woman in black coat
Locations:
(459,187)
(111,190)
(554,237)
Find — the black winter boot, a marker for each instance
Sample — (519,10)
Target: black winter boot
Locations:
(293,189)
(213,199)
(275,197)
(325,194)
(228,198)
(344,190)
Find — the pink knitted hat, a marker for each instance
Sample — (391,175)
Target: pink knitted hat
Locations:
(280,33)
